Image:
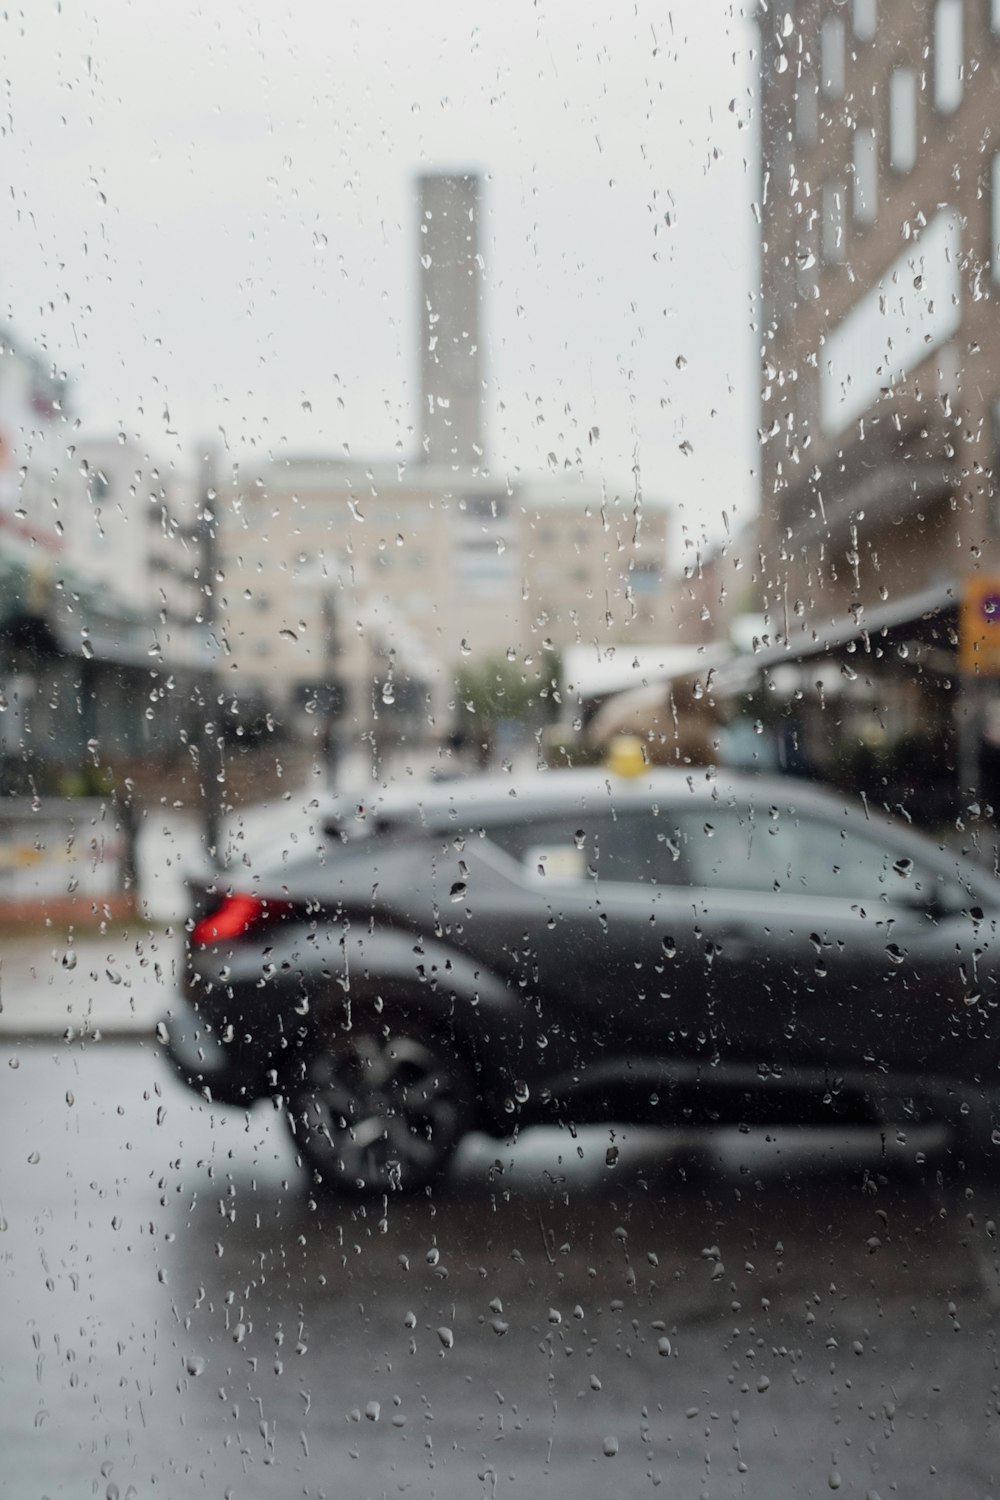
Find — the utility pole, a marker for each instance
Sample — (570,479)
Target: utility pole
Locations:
(210,760)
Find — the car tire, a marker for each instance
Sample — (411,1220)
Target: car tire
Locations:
(380,1110)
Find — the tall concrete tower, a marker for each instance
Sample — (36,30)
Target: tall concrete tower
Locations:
(451,293)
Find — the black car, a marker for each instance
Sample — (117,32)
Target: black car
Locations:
(674,948)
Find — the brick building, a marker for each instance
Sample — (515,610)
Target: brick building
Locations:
(880,341)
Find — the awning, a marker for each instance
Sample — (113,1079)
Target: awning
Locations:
(864,624)
(589,674)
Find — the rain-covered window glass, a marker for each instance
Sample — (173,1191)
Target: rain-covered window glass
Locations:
(833,223)
(806,110)
(500,749)
(832,61)
(865,19)
(902,119)
(865,175)
(949,58)
(807,253)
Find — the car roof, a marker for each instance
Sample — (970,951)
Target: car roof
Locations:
(498,796)
(268,831)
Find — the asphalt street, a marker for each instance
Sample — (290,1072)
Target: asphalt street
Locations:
(570,1316)
(581,1315)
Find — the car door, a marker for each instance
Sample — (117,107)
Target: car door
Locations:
(826,945)
(572,911)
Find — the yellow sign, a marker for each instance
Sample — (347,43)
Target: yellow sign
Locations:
(979,626)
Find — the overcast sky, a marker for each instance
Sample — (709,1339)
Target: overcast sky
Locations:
(209,221)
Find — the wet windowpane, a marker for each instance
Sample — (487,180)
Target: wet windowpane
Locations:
(865,175)
(948,55)
(903,119)
(500,749)
(865,19)
(833,224)
(806,111)
(832,50)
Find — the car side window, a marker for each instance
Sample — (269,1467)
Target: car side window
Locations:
(783,852)
(622,847)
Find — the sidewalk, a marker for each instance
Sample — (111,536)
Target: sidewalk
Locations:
(58,982)
(115,983)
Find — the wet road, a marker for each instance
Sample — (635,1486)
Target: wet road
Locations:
(181,1318)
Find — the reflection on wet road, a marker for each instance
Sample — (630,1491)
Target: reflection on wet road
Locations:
(182,1316)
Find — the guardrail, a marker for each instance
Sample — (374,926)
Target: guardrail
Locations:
(66,859)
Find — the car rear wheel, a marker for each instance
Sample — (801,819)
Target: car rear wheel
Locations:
(378,1112)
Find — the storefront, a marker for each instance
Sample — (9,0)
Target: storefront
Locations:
(873,703)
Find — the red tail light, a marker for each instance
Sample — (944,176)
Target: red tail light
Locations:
(236,916)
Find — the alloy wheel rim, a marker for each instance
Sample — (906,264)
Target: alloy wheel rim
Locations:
(388,1110)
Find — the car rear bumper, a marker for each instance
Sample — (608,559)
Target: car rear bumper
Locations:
(218,1065)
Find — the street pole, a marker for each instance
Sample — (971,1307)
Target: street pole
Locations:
(969,740)
(212,770)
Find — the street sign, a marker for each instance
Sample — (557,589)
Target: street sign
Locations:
(979,625)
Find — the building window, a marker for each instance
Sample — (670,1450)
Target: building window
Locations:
(645,577)
(995,217)
(865,19)
(805,256)
(832,56)
(807,111)
(948,45)
(902,119)
(833,224)
(865,176)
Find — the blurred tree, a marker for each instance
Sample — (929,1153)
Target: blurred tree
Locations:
(501,692)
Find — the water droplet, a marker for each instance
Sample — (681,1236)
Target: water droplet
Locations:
(447,1338)
(610,1447)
